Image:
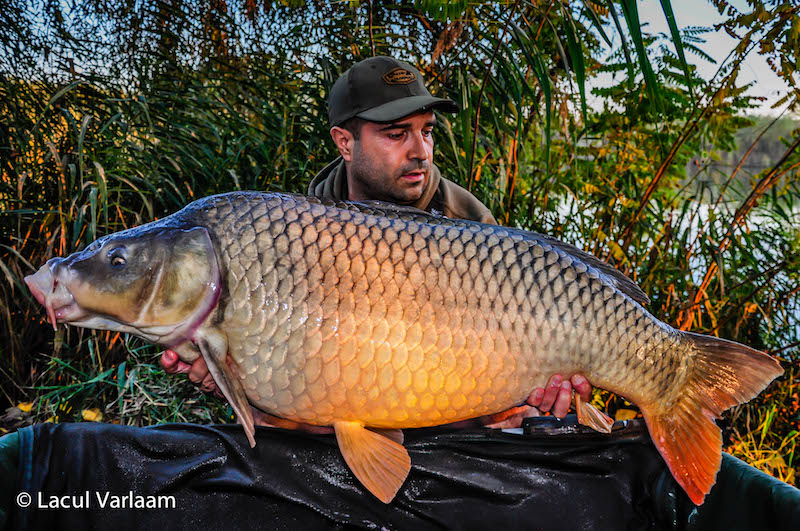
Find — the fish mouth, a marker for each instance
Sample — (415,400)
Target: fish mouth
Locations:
(59,303)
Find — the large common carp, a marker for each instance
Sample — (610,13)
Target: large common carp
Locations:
(367,315)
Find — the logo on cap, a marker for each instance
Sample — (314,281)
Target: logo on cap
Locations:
(399,76)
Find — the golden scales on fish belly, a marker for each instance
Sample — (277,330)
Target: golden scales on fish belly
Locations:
(368,316)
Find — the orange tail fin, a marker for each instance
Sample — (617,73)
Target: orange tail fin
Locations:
(725,374)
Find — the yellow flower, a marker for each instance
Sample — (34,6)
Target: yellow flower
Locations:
(92,415)
(625,414)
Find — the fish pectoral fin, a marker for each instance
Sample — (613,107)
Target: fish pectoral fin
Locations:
(213,345)
(588,415)
(379,463)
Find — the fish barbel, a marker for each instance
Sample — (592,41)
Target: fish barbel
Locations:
(369,315)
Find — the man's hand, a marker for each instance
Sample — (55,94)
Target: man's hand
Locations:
(557,395)
(197,371)
(556,398)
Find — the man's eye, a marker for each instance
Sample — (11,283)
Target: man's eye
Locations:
(428,132)
(395,136)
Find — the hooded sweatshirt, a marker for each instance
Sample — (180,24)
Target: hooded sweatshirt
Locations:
(440,196)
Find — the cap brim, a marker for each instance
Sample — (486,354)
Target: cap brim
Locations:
(394,110)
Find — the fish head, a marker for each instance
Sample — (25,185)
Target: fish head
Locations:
(159,283)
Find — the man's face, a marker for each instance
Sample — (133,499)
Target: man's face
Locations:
(391,162)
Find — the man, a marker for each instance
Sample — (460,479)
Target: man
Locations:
(382,123)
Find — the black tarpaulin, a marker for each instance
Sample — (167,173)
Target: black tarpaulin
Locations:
(557,476)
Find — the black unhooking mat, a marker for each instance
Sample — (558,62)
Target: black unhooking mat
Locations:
(556,475)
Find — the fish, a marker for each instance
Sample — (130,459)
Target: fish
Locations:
(372,318)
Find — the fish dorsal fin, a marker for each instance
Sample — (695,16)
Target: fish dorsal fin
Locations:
(378,462)
(389,208)
(614,275)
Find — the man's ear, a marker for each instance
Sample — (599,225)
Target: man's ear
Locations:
(344,141)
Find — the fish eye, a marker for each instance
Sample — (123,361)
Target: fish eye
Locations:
(116,257)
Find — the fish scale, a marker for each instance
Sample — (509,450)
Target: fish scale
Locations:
(368,315)
(399,319)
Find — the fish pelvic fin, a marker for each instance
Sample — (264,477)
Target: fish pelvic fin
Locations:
(393,434)
(379,463)
(725,374)
(590,416)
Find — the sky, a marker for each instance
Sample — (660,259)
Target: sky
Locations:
(718,45)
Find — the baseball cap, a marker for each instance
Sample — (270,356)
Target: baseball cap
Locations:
(381,89)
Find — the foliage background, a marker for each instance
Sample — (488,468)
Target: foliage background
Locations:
(114,113)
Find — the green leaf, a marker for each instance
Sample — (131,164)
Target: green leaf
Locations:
(541,73)
(121,382)
(624,41)
(576,54)
(539,69)
(92,236)
(443,10)
(54,99)
(598,24)
(631,13)
(676,38)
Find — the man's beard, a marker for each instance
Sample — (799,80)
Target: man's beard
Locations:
(377,184)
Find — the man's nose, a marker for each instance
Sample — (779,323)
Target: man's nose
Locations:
(418,150)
